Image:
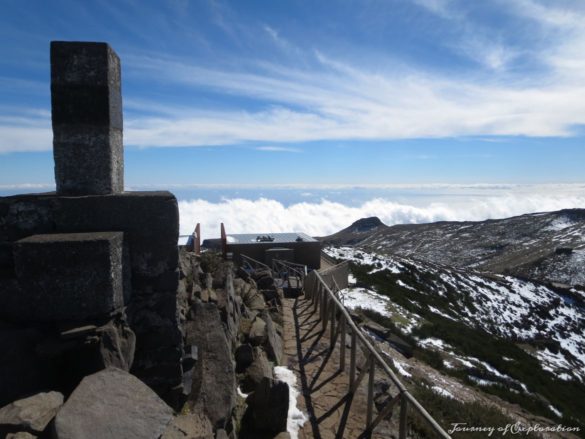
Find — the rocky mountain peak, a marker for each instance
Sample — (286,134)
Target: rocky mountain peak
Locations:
(366,224)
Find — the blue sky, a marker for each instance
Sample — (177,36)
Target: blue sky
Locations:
(331,92)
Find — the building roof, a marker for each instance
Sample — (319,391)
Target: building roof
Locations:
(274,238)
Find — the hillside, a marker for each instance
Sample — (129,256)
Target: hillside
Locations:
(546,247)
(513,339)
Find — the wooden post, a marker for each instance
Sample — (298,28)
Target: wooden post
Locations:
(403,412)
(325,307)
(333,315)
(352,358)
(223,242)
(370,409)
(197,239)
(342,347)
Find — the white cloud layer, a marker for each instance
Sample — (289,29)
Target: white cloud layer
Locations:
(320,219)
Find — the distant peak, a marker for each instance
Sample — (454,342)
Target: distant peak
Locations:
(366,224)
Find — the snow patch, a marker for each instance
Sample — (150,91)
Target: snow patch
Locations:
(401,370)
(555,411)
(353,298)
(443,392)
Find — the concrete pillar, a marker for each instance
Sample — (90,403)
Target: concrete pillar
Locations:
(86,103)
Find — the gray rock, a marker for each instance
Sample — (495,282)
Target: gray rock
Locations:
(268,406)
(245,327)
(117,346)
(265,283)
(257,371)
(20,435)
(31,414)
(273,340)
(244,357)
(191,426)
(261,273)
(112,404)
(214,380)
(258,332)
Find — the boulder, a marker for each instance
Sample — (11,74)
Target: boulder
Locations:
(31,414)
(258,332)
(244,357)
(268,407)
(190,426)
(20,435)
(271,296)
(117,345)
(214,380)
(257,371)
(245,327)
(265,283)
(273,340)
(255,301)
(261,273)
(112,404)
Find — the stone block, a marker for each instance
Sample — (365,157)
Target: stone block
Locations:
(149,220)
(86,103)
(73,276)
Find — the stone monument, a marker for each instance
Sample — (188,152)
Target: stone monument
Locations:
(90,253)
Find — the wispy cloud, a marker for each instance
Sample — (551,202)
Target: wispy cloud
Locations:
(330,98)
(342,101)
(438,7)
(278,149)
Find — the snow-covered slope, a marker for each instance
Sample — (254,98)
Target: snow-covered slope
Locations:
(546,247)
(550,324)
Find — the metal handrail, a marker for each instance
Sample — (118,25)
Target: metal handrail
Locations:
(324,298)
(252,263)
(298,269)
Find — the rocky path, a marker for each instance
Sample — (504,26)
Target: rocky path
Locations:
(323,386)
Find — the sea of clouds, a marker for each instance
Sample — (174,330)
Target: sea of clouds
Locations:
(324,217)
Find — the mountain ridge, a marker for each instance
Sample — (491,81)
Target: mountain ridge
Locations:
(545,246)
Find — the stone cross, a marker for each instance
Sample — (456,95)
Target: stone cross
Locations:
(86,103)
